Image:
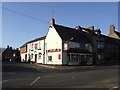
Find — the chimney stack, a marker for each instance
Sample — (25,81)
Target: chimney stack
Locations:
(78,28)
(52,22)
(7,46)
(17,49)
(11,48)
(112,29)
(91,28)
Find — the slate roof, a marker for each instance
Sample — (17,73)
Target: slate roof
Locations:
(67,33)
(111,40)
(41,38)
(118,33)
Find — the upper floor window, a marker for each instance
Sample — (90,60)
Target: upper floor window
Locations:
(31,46)
(88,46)
(36,46)
(100,44)
(77,45)
(31,56)
(82,45)
(100,56)
(39,46)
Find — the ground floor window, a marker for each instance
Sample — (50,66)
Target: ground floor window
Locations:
(89,59)
(31,56)
(39,55)
(49,58)
(75,58)
(100,56)
(80,58)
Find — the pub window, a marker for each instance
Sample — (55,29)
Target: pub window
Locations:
(49,58)
(39,55)
(31,46)
(31,56)
(77,45)
(100,44)
(88,46)
(39,46)
(100,56)
(82,45)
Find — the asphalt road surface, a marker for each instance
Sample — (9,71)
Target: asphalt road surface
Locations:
(22,75)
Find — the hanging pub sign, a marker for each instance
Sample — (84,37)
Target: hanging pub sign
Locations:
(65,46)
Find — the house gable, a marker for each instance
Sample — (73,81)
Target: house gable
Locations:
(53,39)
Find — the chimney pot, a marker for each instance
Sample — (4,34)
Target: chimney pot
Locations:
(112,28)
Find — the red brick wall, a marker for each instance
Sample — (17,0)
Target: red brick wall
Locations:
(23,49)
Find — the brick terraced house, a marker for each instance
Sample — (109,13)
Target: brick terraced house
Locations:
(10,54)
(73,46)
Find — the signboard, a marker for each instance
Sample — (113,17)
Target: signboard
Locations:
(53,50)
(65,46)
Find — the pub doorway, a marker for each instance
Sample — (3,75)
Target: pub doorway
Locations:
(35,58)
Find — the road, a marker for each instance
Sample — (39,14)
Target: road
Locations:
(21,75)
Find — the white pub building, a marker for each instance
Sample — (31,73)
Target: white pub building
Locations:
(61,46)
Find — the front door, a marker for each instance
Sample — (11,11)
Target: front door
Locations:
(25,57)
(35,58)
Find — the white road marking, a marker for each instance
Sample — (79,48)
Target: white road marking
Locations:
(34,81)
(46,66)
(4,81)
(115,87)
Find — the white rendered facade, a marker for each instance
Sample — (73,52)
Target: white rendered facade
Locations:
(35,51)
(53,47)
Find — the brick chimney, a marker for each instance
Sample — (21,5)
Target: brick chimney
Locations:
(91,28)
(78,28)
(112,29)
(52,22)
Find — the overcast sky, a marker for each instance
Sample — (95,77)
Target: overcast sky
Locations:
(22,22)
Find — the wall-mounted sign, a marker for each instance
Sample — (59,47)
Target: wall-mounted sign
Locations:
(65,46)
(59,56)
(53,50)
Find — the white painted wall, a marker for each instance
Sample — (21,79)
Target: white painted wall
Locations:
(34,51)
(53,41)
(23,57)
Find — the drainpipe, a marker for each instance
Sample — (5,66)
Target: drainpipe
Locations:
(44,53)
